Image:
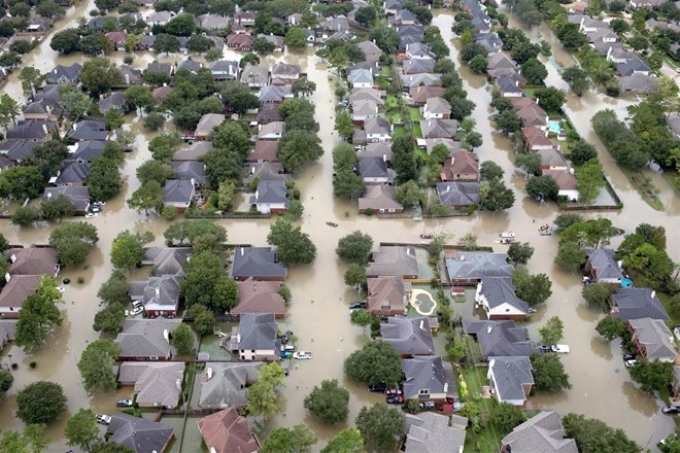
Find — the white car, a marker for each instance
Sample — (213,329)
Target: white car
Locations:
(104,419)
(89,215)
(137,310)
(302,355)
(630,363)
(562,348)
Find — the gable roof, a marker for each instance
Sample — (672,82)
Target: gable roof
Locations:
(188,170)
(87,150)
(360,76)
(551,157)
(195,151)
(428,432)
(156,383)
(438,105)
(510,374)
(477,265)
(420,94)
(139,434)
(461,162)
(564,178)
(114,101)
(499,291)
(31,129)
(271,192)
(166,260)
(89,130)
(638,83)
(178,191)
(656,337)
(60,73)
(275,128)
(78,196)
(285,71)
(636,303)
(386,293)
(265,150)
(227,432)
(255,74)
(33,261)
(17,289)
(424,79)
(257,331)
(393,261)
(157,293)
(379,196)
(603,261)
(256,262)
(542,433)
(268,112)
(377,149)
(372,167)
(417,66)
(208,122)
(259,297)
(17,150)
(500,338)
(266,171)
(369,48)
(427,373)
(224,383)
(146,337)
(458,193)
(377,125)
(408,336)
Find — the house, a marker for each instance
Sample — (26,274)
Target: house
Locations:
(543,432)
(497,297)
(633,66)
(268,113)
(31,130)
(15,292)
(620,55)
(245,18)
(207,124)
(380,198)
(114,101)
(42,110)
(179,193)
(636,303)
(535,138)
(190,171)
(362,110)
(334,23)
(78,196)
(566,182)
(638,83)
(265,171)
(430,143)
(373,170)
(227,432)
(436,108)
(428,432)
(275,94)
(470,267)
(511,379)
(653,340)
(87,150)
(257,263)
(366,94)
(428,379)
(404,17)
(139,434)
(159,94)
(271,131)
(371,52)
(589,24)
(509,86)
(146,339)
(416,80)
(190,65)
(393,261)
(264,151)
(378,129)
(500,338)
(278,41)
(408,336)
(360,78)
(420,94)
(213,21)
(552,159)
(419,51)
(377,149)
(33,261)
(159,295)
(388,296)
(490,41)
(405,40)
(118,39)
(673,122)
(259,297)
(73,174)
(415,66)
(7,330)
(255,76)
(286,73)
(602,266)
(481,23)
(499,61)
(439,128)
(157,384)
(240,41)
(166,260)
(532,115)
(461,166)
(341,36)
(89,130)
(392,7)
(194,152)
(64,74)
(458,194)
(270,197)
(224,384)
(637,4)
(224,70)
(256,337)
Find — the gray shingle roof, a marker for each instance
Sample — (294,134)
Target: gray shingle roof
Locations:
(458,193)
(226,386)
(438,128)
(166,260)
(157,293)
(542,433)
(178,191)
(510,373)
(270,192)
(156,383)
(499,291)
(372,167)
(189,170)
(79,196)
(61,73)
(73,173)
(146,338)
(87,150)
(417,66)
(500,338)
(474,265)
(257,331)
(18,150)
(430,433)
(604,263)
(393,261)
(427,373)
(656,337)
(636,303)
(138,434)
(256,262)
(409,336)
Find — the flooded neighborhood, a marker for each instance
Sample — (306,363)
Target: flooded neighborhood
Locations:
(318,314)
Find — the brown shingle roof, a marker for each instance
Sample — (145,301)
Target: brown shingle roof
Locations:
(228,432)
(265,150)
(422,94)
(33,261)
(259,297)
(18,289)
(534,136)
(462,162)
(386,293)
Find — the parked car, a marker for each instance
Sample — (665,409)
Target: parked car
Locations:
(104,419)
(532,310)
(124,403)
(393,392)
(286,336)
(561,348)
(630,363)
(380,387)
(137,303)
(395,399)
(89,215)
(288,348)
(670,410)
(586,280)
(355,305)
(286,354)
(545,348)
(95,209)
(302,355)
(628,357)
(137,310)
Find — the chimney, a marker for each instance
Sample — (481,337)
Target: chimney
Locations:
(209,373)
(158,292)
(44,128)
(127,78)
(653,294)
(422,324)
(242,251)
(13,258)
(166,335)
(489,329)
(7,277)
(385,158)
(446,387)
(178,384)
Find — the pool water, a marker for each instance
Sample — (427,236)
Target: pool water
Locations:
(554,126)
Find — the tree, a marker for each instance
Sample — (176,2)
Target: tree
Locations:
(65,41)
(571,37)
(292,245)
(106,5)
(21,182)
(551,333)
(404,160)
(103,179)
(98,75)
(570,257)
(6,380)
(139,96)
(303,86)
(73,241)
(110,319)
(32,440)
(478,64)
(132,42)
(530,162)
(295,38)
(549,374)
(113,120)
(10,59)
(597,295)
(154,121)
(298,148)
(199,44)
(366,16)
(9,109)
(81,429)
(534,71)
(263,397)
(40,402)
(380,426)
(577,79)
(490,171)
(30,78)
(375,362)
(329,402)
(154,170)
(534,289)
(550,99)
(262,45)
(471,51)
(498,197)
(594,436)
(348,440)
(355,275)
(506,417)
(187,231)
(528,13)
(355,247)
(344,125)
(115,289)
(589,181)
(182,339)
(507,122)
(57,208)
(20,47)
(519,253)
(204,320)
(298,439)
(386,38)
(148,196)
(582,152)
(109,447)
(96,365)
(166,43)
(226,294)
(543,188)
(203,273)
(361,317)
(409,194)
(127,249)
(610,327)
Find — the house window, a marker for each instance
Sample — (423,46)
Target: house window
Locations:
(252,351)
(507,310)
(423,392)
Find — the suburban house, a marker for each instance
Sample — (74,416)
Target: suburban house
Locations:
(270,197)
(62,75)
(31,130)
(166,260)
(78,196)
(428,432)
(543,432)
(194,152)
(394,261)
(190,171)
(366,94)
(33,261)
(146,339)
(602,266)
(157,384)
(428,379)
(408,336)
(255,76)
(361,110)
(16,151)
(461,166)
(415,80)
(653,340)
(259,297)
(179,193)
(419,51)
(458,194)
(378,129)
(42,110)
(360,78)
(535,138)
(511,379)
(115,101)
(420,94)
(500,338)
(380,198)
(285,73)
(245,18)
(264,151)
(497,297)
(278,41)
(254,339)
(139,434)
(566,183)
(271,131)
(265,171)
(370,50)
(388,296)
(224,384)
(207,124)
(638,83)
(439,128)
(275,94)
(224,70)
(415,66)
(228,432)
(268,113)
(436,108)
(89,130)
(636,303)
(15,292)
(159,295)
(240,41)
(257,263)
(373,170)
(86,151)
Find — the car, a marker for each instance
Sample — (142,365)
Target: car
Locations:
(288,347)
(137,310)
(380,387)
(628,357)
(586,280)
(670,410)
(630,363)
(393,392)
(545,348)
(286,354)
(302,355)
(124,403)
(532,310)
(395,399)
(561,348)
(137,303)
(286,336)
(89,215)
(103,419)
(95,209)
(355,305)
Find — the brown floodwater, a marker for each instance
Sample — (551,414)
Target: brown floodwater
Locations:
(318,312)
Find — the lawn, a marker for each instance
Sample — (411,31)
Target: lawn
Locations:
(417,132)
(414,114)
(385,71)
(399,131)
(488,438)
(666,302)
(644,187)
(391,101)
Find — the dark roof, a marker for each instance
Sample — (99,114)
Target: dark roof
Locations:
(604,263)
(500,338)
(256,262)
(63,73)
(393,261)
(178,191)
(79,196)
(409,336)
(428,432)
(269,112)
(632,66)
(499,291)
(31,129)
(541,433)
(269,192)
(372,167)
(165,68)
(636,303)
(458,193)
(257,331)
(138,434)
(146,337)
(189,170)
(166,260)
(510,374)
(115,100)
(89,130)
(427,373)
(475,265)
(88,150)
(18,150)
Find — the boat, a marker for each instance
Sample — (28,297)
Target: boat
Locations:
(507,240)
(332,224)
(426,236)
(507,235)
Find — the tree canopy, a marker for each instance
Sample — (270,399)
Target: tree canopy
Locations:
(38,315)
(380,426)
(595,436)
(549,374)
(298,439)
(263,396)
(376,362)
(127,249)
(40,402)
(348,440)
(73,241)
(292,245)
(96,365)
(355,247)
(81,429)
(534,289)
(328,402)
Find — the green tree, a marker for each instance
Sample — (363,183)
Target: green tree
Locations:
(355,247)
(115,289)
(549,374)
(109,447)
(386,38)
(577,79)
(30,78)
(293,246)
(182,339)
(552,332)
(361,317)
(226,294)
(344,158)
(32,440)
(550,99)
(98,75)
(409,194)
(38,315)
(534,289)
(506,417)
(96,365)
(366,16)
(9,108)
(295,38)
(507,122)
(380,426)
(298,148)
(73,241)
(199,44)
(589,181)
(40,402)
(57,208)
(594,436)
(490,171)
(348,440)
(543,188)
(582,152)
(110,319)
(597,295)
(81,429)
(478,64)
(166,43)
(154,121)
(303,87)
(204,322)
(187,231)
(298,439)
(148,196)
(127,249)
(329,402)
(652,375)
(75,103)
(154,170)
(6,380)
(203,273)
(534,71)
(610,327)
(139,96)
(520,253)
(344,125)
(376,362)
(355,275)
(21,182)
(263,397)
(103,179)
(66,41)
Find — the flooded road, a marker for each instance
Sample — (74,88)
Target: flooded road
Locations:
(318,313)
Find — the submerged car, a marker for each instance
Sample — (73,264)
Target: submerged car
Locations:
(561,348)
(103,419)
(395,399)
(302,355)
(124,403)
(355,305)
(380,387)
(670,410)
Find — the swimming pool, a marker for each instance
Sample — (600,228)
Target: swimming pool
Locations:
(554,126)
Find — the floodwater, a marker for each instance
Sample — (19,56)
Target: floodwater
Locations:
(318,312)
